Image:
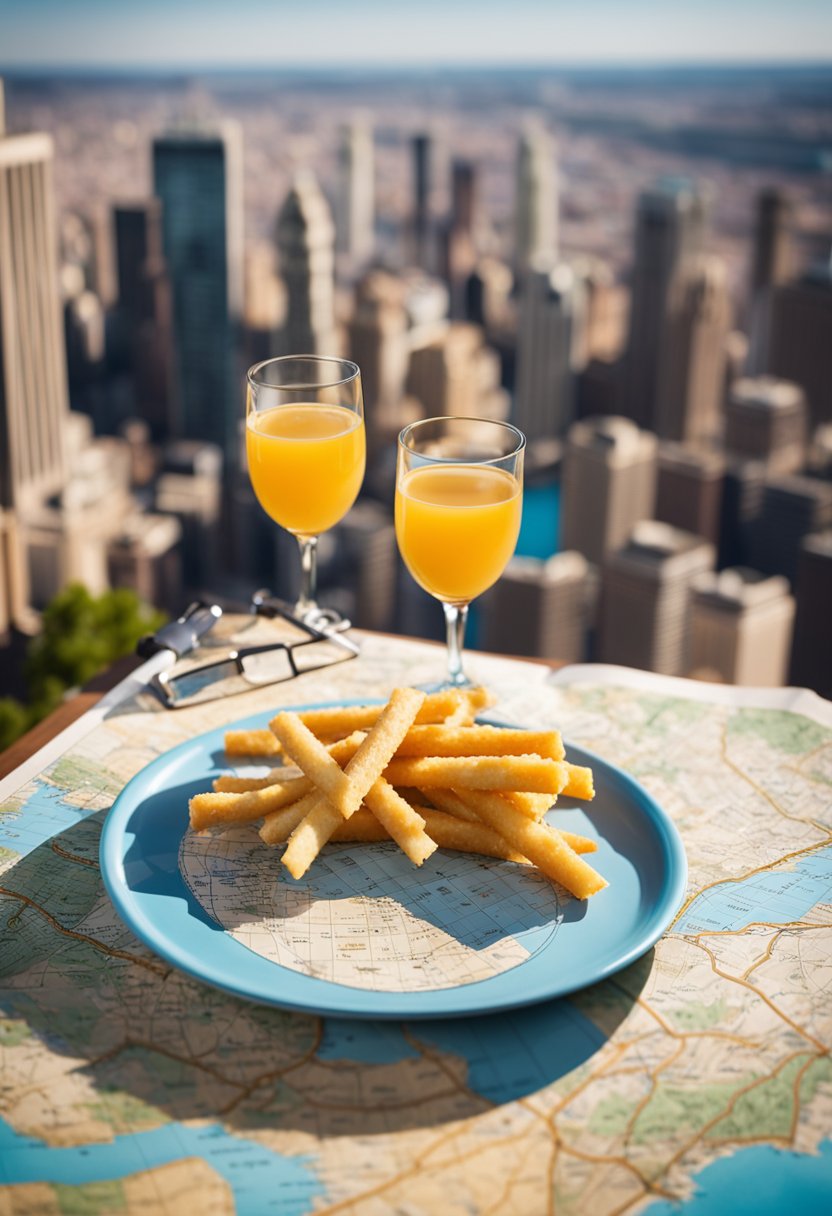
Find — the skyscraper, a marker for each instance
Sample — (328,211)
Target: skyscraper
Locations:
(356,194)
(811,663)
(458,245)
(550,341)
(792,508)
(536,198)
(456,373)
(692,364)
(800,338)
(689,489)
(421,250)
(609,484)
(645,598)
(741,627)
(138,239)
(34,405)
(305,238)
(379,345)
(540,608)
(145,316)
(771,265)
(197,174)
(670,223)
(765,420)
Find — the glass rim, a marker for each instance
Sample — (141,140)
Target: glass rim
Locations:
(252,372)
(405,433)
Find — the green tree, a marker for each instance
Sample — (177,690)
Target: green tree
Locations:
(81,635)
(15,720)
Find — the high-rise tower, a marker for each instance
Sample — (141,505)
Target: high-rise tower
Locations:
(421,251)
(305,244)
(536,198)
(356,194)
(609,484)
(34,405)
(670,223)
(552,317)
(197,174)
(692,368)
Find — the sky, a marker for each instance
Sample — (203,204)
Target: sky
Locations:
(349,33)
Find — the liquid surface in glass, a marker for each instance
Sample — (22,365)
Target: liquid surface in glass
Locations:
(457,526)
(306,464)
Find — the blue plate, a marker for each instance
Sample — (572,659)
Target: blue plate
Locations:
(498,935)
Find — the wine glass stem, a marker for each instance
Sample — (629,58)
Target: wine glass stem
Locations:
(308,574)
(456,616)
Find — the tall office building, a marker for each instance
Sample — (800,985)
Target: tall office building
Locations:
(145,313)
(691,383)
(811,661)
(456,373)
(800,338)
(458,245)
(765,420)
(305,245)
(365,564)
(197,174)
(421,234)
(792,508)
(138,241)
(689,489)
(670,224)
(772,258)
(378,343)
(742,502)
(551,344)
(536,198)
(540,608)
(741,627)
(34,405)
(645,598)
(608,484)
(355,219)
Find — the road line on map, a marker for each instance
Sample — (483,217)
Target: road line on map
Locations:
(74,857)
(113,951)
(735,979)
(729,1109)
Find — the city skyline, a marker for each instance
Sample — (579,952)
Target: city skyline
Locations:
(189,34)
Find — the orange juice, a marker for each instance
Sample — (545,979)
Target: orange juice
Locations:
(306,464)
(457,526)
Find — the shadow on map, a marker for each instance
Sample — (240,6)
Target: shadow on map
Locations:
(154,1044)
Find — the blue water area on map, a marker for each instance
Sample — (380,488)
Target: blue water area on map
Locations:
(261,1181)
(774,897)
(42,816)
(509,1055)
(540,526)
(762,1180)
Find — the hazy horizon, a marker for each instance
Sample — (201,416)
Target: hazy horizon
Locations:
(206,34)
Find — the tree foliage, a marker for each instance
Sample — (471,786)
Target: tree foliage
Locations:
(81,635)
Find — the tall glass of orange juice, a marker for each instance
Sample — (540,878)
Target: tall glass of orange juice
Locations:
(459,498)
(306,450)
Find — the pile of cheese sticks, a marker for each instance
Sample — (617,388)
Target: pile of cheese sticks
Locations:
(419,771)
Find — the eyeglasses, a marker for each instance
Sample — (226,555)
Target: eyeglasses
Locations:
(300,648)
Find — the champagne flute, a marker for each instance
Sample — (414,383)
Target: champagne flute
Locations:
(459,499)
(306,452)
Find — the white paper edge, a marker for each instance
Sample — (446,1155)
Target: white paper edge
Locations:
(796,700)
(129,687)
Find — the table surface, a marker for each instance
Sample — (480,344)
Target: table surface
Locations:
(697,1072)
